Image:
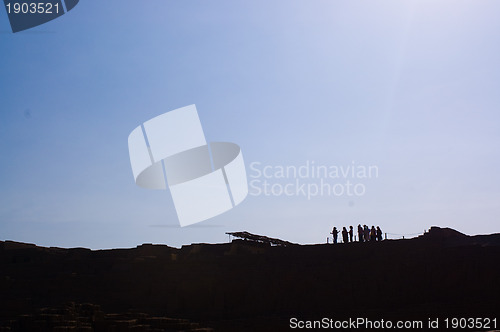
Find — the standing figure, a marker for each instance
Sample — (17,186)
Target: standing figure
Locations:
(345,239)
(367,233)
(335,233)
(373,234)
(351,233)
(360,233)
(379,234)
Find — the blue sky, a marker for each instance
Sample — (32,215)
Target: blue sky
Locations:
(409,86)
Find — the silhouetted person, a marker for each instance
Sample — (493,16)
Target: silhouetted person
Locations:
(379,234)
(351,233)
(366,230)
(373,234)
(335,233)
(360,233)
(345,239)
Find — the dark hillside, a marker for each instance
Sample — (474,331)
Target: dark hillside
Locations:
(249,285)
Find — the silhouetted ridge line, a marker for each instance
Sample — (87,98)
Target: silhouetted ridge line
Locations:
(260,238)
(452,238)
(250,285)
(446,232)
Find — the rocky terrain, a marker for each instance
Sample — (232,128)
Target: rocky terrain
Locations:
(245,285)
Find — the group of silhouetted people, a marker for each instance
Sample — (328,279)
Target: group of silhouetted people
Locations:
(365,234)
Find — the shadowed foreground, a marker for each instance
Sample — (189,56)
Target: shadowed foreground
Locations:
(245,285)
